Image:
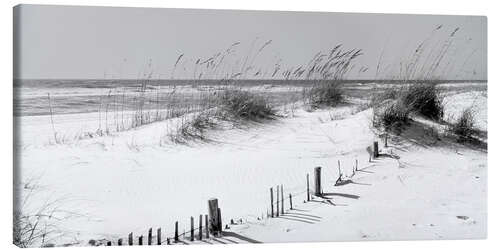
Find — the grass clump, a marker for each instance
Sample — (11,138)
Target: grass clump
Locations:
(392,116)
(233,106)
(246,105)
(328,93)
(463,127)
(195,128)
(424,99)
(394,106)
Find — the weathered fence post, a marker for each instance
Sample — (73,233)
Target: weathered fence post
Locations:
(385,139)
(282,201)
(120,242)
(176,235)
(206,227)
(213,213)
(277,201)
(200,228)
(375,149)
(108,243)
(308,193)
(356,164)
(272,203)
(130,239)
(150,236)
(290,196)
(317,181)
(158,236)
(219,218)
(192,228)
(140,240)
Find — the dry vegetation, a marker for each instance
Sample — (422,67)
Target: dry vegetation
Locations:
(41,226)
(216,93)
(419,93)
(463,127)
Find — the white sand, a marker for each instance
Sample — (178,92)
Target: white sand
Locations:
(130,181)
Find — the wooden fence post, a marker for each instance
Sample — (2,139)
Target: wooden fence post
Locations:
(277,201)
(272,203)
(176,235)
(308,193)
(108,243)
(317,181)
(192,228)
(150,236)
(140,240)
(290,196)
(356,164)
(385,139)
(282,201)
(130,239)
(375,149)
(200,228)
(213,213)
(206,227)
(120,242)
(158,236)
(219,216)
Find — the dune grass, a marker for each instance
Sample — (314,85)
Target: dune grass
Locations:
(418,92)
(148,101)
(464,126)
(246,105)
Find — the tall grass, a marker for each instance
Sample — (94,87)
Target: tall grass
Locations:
(392,115)
(149,101)
(418,75)
(39,224)
(327,72)
(463,127)
(425,99)
(246,105)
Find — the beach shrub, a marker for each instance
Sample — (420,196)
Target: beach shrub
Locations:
(246,105)
(463,127)
(328,93)
(425,99)
(194,128)
(392,116)
(390,93)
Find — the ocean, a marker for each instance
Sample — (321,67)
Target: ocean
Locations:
(33,97)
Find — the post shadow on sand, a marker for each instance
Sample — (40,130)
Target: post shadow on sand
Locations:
(350,196)
(207,242)
(302,214)
(231,241)
(295,219)
(239,236)
(218,241)
(295,216)
(345,182)
(365,171)
(328,200)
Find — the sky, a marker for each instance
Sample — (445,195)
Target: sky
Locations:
(70,42)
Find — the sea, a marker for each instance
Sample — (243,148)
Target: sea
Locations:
(34,97)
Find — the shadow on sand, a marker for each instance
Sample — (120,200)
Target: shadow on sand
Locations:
(239,237)
(350,196)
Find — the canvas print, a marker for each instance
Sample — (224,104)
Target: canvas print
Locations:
(154,126)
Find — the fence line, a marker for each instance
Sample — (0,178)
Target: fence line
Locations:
(213,230)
